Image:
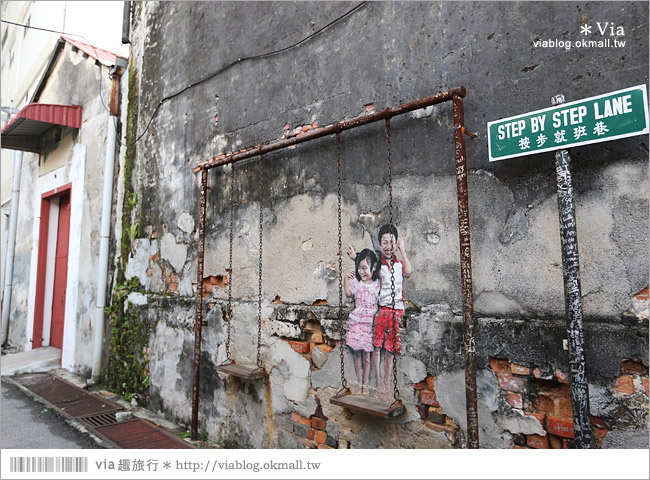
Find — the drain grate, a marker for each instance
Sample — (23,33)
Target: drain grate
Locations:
(99,414)
(51,388)
(100,420)
(69,398)
(140,433)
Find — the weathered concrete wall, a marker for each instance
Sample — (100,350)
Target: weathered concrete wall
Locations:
(78,158)
(382,55)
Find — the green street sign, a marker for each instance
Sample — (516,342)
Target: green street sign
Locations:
(619,114)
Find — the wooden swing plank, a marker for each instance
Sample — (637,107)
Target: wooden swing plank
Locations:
(367,405)
(240,371)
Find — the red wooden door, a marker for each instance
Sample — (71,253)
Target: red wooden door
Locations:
(60,273)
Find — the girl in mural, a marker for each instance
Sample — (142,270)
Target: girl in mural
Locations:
(362,283)
(389,316)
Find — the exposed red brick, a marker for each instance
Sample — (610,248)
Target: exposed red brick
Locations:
(286,127)
(625,384)
(436,416)
(429,398)
(320,302)
(423,410)
(500,365)
(319,412)
(568,443)
(519,369)
(311,433)
(318,423)
(300,347)
(419,386)
(317,338)
(555,441)
(370,108)
(154,235)
(323,447)
(429,381)
(314,125)
(560,427)
(173,287)
(511,384)
(517,447)
(645,386)
(544,404)
(633,367)
(561,376)
(306,128)
(207,287)
(149,272)
(598,422)
(600,434)
(320,437)
(296,418)
(542,375)
(515,400)
(537,441)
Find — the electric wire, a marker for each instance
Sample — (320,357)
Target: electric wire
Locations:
(69,35)
(214,74)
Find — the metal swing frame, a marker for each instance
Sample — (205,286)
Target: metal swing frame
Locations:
(455,95)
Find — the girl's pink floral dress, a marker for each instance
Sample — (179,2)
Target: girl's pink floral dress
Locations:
(361,318)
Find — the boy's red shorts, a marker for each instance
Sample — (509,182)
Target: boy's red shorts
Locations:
(386,326)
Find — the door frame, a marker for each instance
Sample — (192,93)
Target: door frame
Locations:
(39,307)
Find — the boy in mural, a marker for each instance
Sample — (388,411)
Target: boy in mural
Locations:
(362,283)
(389,316)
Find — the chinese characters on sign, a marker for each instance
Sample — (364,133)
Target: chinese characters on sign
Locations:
(606,117)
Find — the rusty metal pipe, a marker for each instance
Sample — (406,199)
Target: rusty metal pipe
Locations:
(332,129)
(198,321)
(466,275)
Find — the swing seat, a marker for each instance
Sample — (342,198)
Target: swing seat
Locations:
(369,406)
(240,371)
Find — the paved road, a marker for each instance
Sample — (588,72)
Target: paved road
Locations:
(26,423)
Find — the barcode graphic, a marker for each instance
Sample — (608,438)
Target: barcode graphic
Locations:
(48,464)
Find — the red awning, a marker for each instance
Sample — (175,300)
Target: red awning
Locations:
(25,130)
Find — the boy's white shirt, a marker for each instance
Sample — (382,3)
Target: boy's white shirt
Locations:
(385,299)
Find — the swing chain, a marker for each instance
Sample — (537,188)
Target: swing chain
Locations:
(259,295)
(344,382)
(230,271)
(394,329)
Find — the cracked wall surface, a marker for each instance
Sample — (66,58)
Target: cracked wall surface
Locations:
(382,55)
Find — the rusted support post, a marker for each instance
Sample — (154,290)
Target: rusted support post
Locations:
(466,274)
(578,386)
(198,321)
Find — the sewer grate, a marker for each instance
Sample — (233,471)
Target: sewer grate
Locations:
(70,399)
(51,388)
(140,433)
(100,420)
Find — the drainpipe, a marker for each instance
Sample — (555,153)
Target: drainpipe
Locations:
(102,277)
(11,245)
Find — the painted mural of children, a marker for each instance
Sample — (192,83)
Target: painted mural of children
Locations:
(388,317)
(362,283)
